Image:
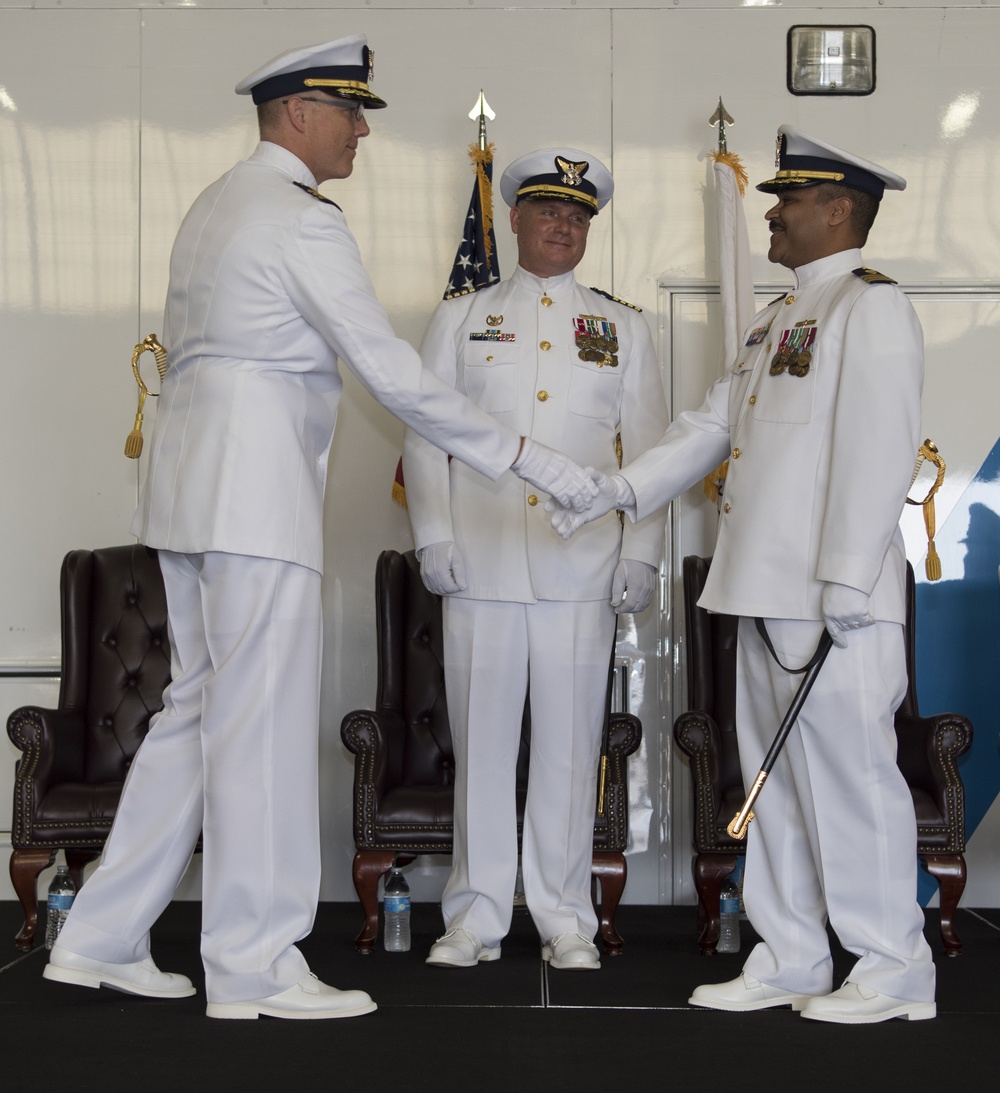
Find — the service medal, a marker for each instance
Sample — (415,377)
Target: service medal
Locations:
(597,340)
(801,365)
(781,360)
(794,350)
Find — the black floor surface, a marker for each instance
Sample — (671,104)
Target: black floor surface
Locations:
(512,1024)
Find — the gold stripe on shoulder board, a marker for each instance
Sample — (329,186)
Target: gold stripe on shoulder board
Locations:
(617,300)
(316,194)
(872,276)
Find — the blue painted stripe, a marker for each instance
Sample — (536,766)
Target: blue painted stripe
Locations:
(958,638)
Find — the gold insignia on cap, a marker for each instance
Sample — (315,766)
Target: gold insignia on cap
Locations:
(572,172)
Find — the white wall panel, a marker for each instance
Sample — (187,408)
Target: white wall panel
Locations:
(69,193)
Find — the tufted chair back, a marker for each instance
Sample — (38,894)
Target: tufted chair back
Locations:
(115,666)
(404,768)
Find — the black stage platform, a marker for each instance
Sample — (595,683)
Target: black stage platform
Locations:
(513,1024)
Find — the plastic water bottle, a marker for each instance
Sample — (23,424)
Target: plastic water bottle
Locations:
(729,918)
(62,891)
(397,912)
(739,874)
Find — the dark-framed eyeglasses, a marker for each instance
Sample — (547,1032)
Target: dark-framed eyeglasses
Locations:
(356,108)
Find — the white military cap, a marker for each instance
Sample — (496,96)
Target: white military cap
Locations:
(341,68)
(805,161)
(558,174)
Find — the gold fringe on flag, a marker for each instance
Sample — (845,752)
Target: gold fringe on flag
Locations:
(928,451)
(398,487)
(734,161)
(712,483)
(481,157)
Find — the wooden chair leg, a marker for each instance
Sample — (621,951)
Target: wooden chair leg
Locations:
(950,873)
(611,871)
(25,867)
(78,860)
(710,870)
(369,865)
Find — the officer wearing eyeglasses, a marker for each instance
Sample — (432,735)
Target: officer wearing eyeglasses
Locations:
(266,292)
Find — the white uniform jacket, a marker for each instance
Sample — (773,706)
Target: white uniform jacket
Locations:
(513,349)
(267,290)
(819,462)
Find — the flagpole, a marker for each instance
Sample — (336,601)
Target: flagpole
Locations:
(735,279)
(481,111)
(475,264)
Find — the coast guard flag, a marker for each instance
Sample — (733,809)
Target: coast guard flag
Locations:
(735,279)
(476,263)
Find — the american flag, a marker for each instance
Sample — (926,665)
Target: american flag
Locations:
(476,258)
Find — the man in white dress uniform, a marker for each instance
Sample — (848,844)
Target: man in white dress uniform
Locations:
(575,369)
(266,291)
(819,416)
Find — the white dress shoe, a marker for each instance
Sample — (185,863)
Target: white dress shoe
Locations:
(460,949)
(143,978)
(745,994)
(307,1000)
(572,953)
(854,1004)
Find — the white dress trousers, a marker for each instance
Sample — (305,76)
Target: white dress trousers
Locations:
(491,648)
(834,834)
(232,619)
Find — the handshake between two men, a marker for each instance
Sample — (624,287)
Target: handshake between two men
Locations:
(606,493)
(843,608)
(578,495)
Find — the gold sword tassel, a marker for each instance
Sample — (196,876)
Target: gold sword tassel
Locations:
(929,451)
(133,442)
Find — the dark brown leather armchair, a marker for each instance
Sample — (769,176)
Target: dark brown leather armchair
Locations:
(115,666)
(928,751)
(404,767)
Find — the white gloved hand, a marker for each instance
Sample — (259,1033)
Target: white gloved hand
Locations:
(612,493)
(556,474)
(632,587)
(844,608)
(442,568)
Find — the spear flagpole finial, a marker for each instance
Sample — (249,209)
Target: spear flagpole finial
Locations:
(721,118)
(481,111)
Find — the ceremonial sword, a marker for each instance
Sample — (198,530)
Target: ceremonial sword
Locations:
(741,821)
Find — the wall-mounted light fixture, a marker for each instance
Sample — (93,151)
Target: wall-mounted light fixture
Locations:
(832,60)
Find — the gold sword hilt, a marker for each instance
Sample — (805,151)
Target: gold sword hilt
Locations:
(741,821)
(929,451)
(133,442)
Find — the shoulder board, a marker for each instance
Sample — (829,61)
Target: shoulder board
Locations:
(777,299)
(608,296)
(316,194)
(872,276)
